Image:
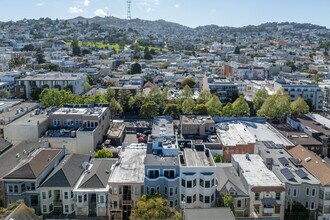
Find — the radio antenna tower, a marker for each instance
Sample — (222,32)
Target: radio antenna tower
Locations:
(129,10)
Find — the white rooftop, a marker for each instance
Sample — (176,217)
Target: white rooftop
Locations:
(96,111)
(254,170)
(130,167)
(319,119)
(236,132)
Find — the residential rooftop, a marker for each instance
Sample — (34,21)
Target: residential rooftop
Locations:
(197,156)
(254,170)
(33,118)
(162,126)
(53,76)
(235,131)
(14,109)
(130,165)
(80,110)
(195,119)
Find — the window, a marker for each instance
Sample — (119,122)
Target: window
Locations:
(312,205)
(66,195)
(169,174)
(15,188)
(306,205)
(23,187)
(212,182)
(207,199)
(56,122)
(289,192)
(171,191)
(85,197)
(201,182)
(239,203)
(10,188)
(165,190)
(194,198)
(194,182)
(158,189)
(171,203)
(183,183)
(102,199)
(201,199)
(207,184)
(189,184)
(277,209)
(257,196)
(51,207)
(278,196)
(44,208)
(295,192)
(147,190)
(176,190)
(307,191)
(71,194)
(66,208)
(176,202)
(313,192)
(79,199)
(43,195)
(152,190)
(33,186)
(188,199)
(72,207)
(153,173)
(212,197)
(49,194)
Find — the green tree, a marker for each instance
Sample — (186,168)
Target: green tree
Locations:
(213,106)
(40,56)
(75,48)
(35,93)
(188,106)
(135,102)
(226,201)
(259,99)
(297,211)
(4,94)
(51,66)
(149,110)
(115,108)
(218,158)
(200,109)
(228,110)
(110,94)
(204,96)
(186,92)
(152,208)
(104,56)
(136,68)
(104,153)
(147,54)
(241,107)
(86,86)
(188,81)
(51,97)
(156,96)
(276,106)
(292,66)
(299,107)
(172,110)
(123,97)
(17,62)
(237,50)
(28,47)
(98,98)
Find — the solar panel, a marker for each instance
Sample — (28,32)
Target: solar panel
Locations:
(302,174)
(287,173)
(283,161)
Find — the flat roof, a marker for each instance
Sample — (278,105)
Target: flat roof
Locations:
(196,119)
(255,171)
(95,111)
(239,131)
(5,104)
(130,167)
(211,213)
(15,109)
(53,76)
(194,158)
(320,119)
(30,119)
(162,126)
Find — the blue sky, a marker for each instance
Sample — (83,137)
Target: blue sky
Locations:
(187,12)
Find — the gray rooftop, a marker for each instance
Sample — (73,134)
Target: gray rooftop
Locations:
(15,109)
(228,178)
(10,156)
(67,173)
(163,126)
(222,213)
(53,76)
(30,119)
(130,167)
(98,174)
(4,145)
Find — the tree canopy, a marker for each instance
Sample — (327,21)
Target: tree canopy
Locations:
(188,106)
(299,107)
(259,99)
(297,211)
(241,107)
(204,96)
(226,201)
(136,68)
(213,106)
(186,92)
(104,153)
(188,81)
(228,110)
(154,208)
(149,110)
(172,110)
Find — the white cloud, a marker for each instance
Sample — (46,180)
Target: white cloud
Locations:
(75,10)
(177,5)
(148,5)
(40,4)
(86,2)
(100,12)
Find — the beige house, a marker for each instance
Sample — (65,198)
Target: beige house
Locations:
(196,125)
(127,181)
